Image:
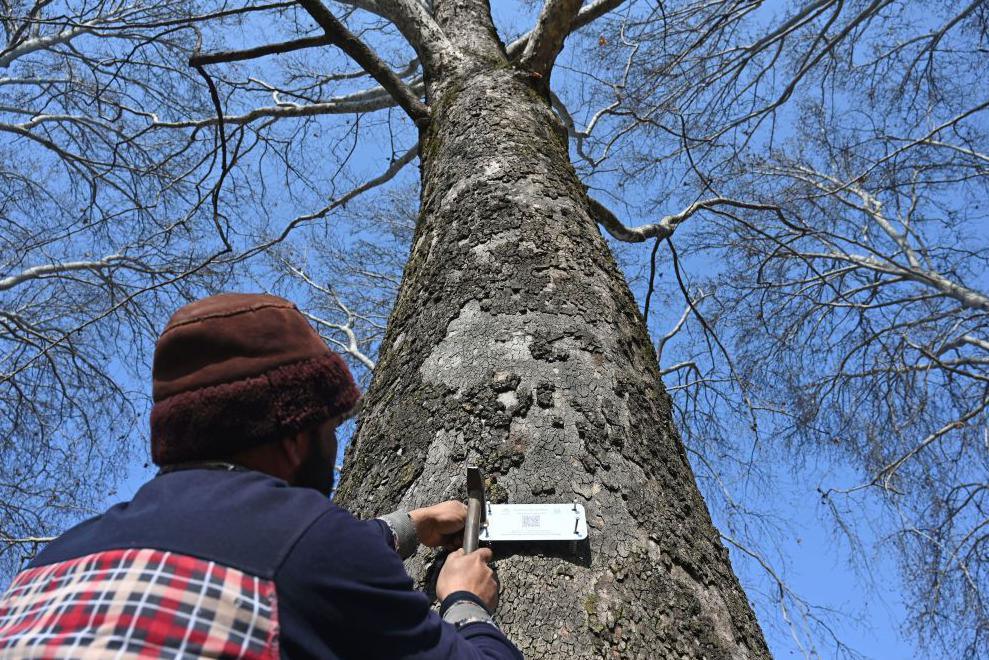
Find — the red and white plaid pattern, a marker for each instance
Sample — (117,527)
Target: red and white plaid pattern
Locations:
(138,603)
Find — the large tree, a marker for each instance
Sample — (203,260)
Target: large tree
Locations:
(811,272)
(515,344)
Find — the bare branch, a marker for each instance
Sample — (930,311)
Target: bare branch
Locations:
(667,224)
(368,100)
(346,41)
(260,51)
(546,38)
(47,270)
(414,19)
(587,14)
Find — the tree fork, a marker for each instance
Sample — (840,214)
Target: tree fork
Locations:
(515,344)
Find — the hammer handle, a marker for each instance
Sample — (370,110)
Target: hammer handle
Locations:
(472,530)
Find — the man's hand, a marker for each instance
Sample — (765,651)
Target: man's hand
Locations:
(470,573)
(441,524)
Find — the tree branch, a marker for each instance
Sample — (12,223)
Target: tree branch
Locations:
(352,345)
(48,270)
(668,224)
(368,100)
(259,51)
(546,39)
(8,55)
(348,42)
(27,540)
(414,20)
(586,15)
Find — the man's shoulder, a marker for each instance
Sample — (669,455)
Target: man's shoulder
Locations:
(241,519)
(343,548)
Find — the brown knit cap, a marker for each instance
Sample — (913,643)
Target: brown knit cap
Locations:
(238,370)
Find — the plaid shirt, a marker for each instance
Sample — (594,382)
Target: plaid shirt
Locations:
(138,603)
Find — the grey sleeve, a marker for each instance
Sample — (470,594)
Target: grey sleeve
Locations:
(459,609)
(405,540)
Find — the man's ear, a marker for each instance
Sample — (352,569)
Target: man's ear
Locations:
(295,448)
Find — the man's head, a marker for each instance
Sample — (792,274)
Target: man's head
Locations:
(236,373)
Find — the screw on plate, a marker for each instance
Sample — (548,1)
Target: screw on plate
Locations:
(575,506)
(576,523)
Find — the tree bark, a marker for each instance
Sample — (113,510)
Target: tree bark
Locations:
(515,344)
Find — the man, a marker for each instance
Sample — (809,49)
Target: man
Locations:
(234,549)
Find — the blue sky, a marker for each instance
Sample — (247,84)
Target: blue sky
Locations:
(862,589)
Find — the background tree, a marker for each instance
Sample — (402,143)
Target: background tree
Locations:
(822,165)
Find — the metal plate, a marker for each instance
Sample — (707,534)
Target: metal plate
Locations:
(535,522)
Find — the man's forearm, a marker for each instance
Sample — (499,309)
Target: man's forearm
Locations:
(464,610)
(403,531)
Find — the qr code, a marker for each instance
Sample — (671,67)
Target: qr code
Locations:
(531,520)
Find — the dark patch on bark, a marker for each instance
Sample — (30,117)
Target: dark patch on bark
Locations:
(544,394)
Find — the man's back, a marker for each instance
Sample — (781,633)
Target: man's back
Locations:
(232,563)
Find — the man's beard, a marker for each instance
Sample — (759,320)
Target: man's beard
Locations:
(316,470)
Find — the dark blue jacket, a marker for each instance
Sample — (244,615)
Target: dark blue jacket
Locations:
(247,563)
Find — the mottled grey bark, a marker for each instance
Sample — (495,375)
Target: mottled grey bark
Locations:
(516,345)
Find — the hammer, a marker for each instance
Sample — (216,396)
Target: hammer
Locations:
(475,509)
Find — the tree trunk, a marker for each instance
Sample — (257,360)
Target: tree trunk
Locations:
(516,345)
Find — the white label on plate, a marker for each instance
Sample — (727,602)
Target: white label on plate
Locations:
(535,522)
